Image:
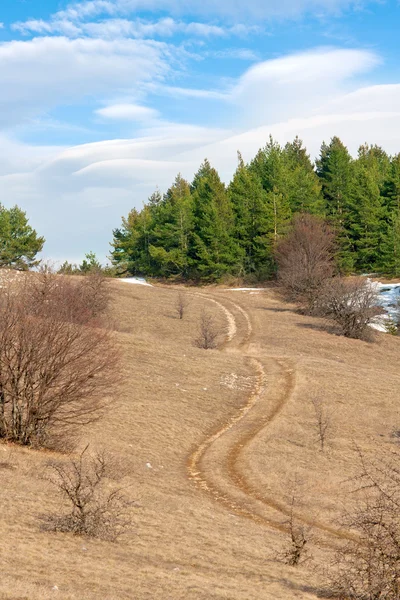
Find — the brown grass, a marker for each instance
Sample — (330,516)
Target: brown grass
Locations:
(215,534)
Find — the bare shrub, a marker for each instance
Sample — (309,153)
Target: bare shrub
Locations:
(322,421)
(57,367)
(96,292)
(296,551)
(368,568)
(81,299)
(208,332)
(181,304)
(305,259)
(94,509)
(351,303)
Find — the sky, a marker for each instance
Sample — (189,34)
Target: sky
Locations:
(104,101)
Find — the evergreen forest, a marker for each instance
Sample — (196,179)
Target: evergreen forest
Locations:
(205,230)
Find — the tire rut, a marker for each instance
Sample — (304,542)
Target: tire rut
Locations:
(229,441)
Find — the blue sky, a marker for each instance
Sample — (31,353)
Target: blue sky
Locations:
(102,101)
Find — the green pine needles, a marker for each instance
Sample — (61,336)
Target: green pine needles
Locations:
(206,230)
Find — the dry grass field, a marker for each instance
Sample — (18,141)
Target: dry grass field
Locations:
(211,444)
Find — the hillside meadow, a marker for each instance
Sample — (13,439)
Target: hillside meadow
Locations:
(212,445)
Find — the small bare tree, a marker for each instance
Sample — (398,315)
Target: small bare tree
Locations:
(305,259)
(94,509)
(298,538)
(322,421)
(58,368)
(368,567)
(181,304)
(208,332)
(352,303)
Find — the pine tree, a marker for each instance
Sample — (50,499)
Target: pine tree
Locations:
(303,188)
(19,243)
(89,264)
(390,247)
(366,218)
(336,171)
(376,161)
(173,228)
(269,165)
(252,228)
(214,250)
(131,243)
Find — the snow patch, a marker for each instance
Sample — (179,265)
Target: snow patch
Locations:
(136,281)
(389,298)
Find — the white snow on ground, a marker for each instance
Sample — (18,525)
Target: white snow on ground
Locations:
(136,281)
(389,298)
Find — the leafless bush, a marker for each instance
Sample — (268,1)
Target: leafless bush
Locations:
(208,332)
(95,510)
(351,303)
(181,304)
(57,367)
(299,534)
(80,299)
(305,259)
(322,421)
(368,568)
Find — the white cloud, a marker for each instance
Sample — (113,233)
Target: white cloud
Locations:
(1,25)
(265,9)
(120,28)
(234,53)
(44,72)
(188,92)
(298,84)
(61,26)
(112,176)
(128,112)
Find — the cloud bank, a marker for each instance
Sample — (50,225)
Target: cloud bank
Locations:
(76,195)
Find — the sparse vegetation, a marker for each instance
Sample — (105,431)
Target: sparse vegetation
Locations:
(299,535)
(305,259)
(208,332)
(181,304)
(351,303)
(323,423)
(94,510)
(58,367)
(368,567)
(89,265)
(173,404)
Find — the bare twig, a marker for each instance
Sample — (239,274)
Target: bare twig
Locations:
(322,421)
(208,332)
(94,510)
(181,304)
(57,366)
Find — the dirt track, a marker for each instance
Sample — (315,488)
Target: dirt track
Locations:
(217,466)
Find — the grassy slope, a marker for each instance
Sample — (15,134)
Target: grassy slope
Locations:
(189,542)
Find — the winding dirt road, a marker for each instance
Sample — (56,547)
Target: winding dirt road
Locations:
(218,465)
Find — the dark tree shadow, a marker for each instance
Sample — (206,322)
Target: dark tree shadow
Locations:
(277,310)
(319,592)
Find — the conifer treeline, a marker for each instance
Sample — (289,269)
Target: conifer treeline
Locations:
(205,230)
